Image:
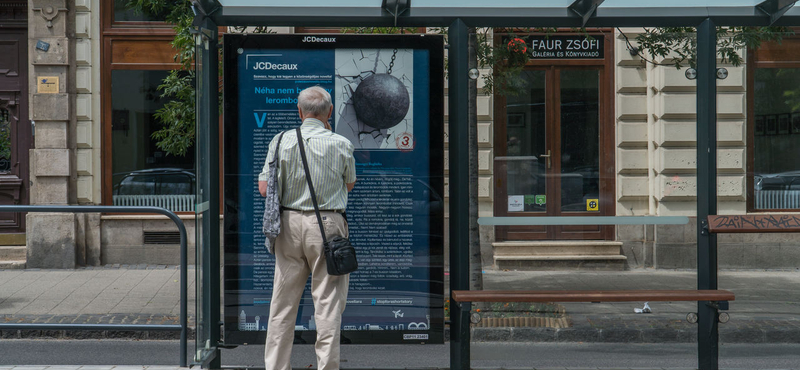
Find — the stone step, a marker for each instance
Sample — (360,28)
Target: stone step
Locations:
(557,248)
(12,253)
(553,263)
(12,265)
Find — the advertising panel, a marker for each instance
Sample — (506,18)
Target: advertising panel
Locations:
(396,210)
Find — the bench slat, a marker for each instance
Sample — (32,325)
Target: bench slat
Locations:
(591,295)
(754,224)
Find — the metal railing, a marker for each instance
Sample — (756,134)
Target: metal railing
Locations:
(174,203)
(777,199)
(183,327)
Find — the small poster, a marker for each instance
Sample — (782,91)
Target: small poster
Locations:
(530,199)
(516,203)
(592,204)
(541,200)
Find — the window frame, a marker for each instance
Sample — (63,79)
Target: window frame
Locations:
(788,56)
(111,26)
(119,44)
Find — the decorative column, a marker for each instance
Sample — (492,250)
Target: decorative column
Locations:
(51,238)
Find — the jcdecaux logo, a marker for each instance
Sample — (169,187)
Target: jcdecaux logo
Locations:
(318,39)
(278,66)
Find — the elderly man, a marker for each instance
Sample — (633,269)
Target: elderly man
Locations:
(298,248)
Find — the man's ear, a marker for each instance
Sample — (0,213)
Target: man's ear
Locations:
(330,112)
(300,112)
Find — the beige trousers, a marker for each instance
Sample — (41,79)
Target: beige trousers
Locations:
(298,252)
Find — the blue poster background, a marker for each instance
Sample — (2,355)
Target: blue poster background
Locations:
(389,211)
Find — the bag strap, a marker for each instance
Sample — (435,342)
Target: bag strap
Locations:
(277,156)
(310,185)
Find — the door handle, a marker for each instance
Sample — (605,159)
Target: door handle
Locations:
(548,158)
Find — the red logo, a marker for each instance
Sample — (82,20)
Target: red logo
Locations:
(405,142)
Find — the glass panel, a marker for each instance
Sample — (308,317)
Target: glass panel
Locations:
(526,133)
(145,175)
(776,166)
(580,140)
(5,141)
(123,14)
(203,336)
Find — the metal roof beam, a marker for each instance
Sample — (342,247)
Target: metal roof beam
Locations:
(775,8)
(204,9)
(585,9)
(395,8)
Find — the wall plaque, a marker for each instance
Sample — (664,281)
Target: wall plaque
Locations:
(47,85)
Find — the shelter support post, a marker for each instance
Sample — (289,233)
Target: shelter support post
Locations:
(208,110)
(458,89)
(708,313)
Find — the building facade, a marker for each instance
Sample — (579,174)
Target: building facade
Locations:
(601,130)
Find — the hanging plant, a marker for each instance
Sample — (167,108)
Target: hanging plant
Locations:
(507,58)
(517,52)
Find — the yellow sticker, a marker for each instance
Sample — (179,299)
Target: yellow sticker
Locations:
(47,84)
(592,204)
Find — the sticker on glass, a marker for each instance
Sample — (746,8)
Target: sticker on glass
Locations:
(592,204)
(516,203)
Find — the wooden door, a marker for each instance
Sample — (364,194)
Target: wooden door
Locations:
(552,153)
(15,128)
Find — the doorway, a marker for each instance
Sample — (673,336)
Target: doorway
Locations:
(15,131)
(552,153)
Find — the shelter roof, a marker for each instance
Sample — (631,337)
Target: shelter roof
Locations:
(501,13)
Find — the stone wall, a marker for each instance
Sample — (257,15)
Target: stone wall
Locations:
(656,137)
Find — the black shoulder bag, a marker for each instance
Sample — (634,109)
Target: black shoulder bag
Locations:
(340,256)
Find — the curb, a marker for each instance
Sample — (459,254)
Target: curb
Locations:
(95,334)
(584,329)
(641,331)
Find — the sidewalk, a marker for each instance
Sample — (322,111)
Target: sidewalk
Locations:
(766,309)
(113,294)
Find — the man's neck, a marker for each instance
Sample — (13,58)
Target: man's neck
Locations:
(316,121)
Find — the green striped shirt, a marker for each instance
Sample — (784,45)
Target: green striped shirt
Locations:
(330,161)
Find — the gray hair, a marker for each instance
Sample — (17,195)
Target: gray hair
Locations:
(314,101)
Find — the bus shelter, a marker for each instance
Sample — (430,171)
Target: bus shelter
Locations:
(458,17)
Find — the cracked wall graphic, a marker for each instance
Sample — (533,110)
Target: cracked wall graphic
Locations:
(373,96)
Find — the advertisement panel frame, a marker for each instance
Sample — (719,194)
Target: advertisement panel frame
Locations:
(434,45)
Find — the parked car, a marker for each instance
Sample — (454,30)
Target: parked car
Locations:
(789,180)
(156,181)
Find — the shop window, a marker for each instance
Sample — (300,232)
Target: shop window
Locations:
(773,120)
(776,138)
(123,14)
(143,174)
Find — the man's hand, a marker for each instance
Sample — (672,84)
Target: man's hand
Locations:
(262,188)
(350,186)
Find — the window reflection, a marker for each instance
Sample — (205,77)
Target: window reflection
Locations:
(123,14)
(776,139)
(143,174)
(580,138)
(526,132)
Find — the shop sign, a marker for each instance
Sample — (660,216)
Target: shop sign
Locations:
(566,47)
